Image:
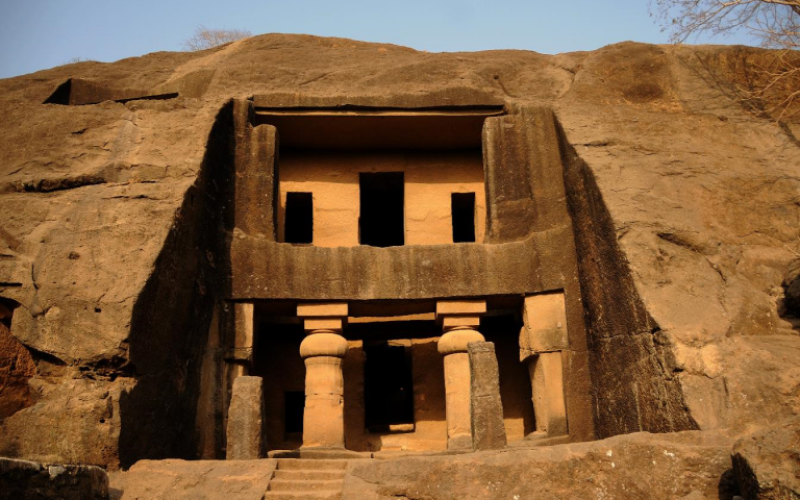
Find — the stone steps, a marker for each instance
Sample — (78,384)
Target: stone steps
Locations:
(296,478)
(305,485)
(303,475)
(295,495)
(310,464)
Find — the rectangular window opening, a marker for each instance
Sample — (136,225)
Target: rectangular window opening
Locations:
(463,211)
(382,216)
(299,218)
(294,405)
(388,389)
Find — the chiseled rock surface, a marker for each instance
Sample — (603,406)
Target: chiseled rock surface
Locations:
(195,480)
(702,192)
(24,480)
(767,463)
(684,465)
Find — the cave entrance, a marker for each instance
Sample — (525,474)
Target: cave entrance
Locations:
(293,407)
(388,391)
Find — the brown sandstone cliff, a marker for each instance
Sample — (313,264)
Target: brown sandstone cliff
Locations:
(703,193)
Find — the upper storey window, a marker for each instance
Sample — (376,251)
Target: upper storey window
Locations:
(463,217)
(299,218)
(382,219)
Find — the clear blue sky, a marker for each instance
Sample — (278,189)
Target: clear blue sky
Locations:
(38,34)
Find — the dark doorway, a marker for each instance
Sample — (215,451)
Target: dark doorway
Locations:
(388,391)
(382,220)
(299,222)
(463,210)
(294,403)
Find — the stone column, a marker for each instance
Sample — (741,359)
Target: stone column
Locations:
(459,321)
(542,341)
(323,350)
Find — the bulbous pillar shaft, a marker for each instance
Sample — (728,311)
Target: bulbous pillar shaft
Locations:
(453,344)
(323,418)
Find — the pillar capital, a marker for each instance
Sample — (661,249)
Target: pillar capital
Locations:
(323,343)
(460,308)
(330,316)
(457,339)
(459,314)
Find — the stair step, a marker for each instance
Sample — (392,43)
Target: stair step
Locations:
(304,475)
(310,464)
(283,485)
(306,495)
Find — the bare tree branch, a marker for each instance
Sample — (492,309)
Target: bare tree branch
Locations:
(205,38)
(775,23)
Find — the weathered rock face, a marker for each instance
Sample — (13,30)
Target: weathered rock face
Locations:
(16,368)
(200,480)
(116,230)
(767,463)
(23,480)
(632,466)
(689,466)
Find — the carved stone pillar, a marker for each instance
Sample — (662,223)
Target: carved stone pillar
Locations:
(542,340)
(459,321)
(323,350)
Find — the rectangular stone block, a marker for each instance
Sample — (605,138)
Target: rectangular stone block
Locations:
(460,307)
(488,429)
(545,325)
(322,310)
(454,321)
(311,324)
(245,433)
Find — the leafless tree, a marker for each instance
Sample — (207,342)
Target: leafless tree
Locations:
(206,38)
(775,23)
